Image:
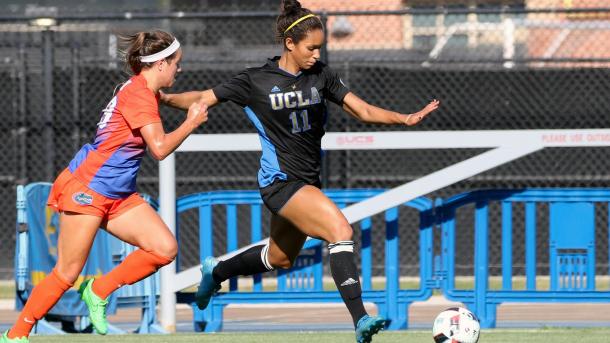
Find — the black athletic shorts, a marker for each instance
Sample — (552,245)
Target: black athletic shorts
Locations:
(277,194)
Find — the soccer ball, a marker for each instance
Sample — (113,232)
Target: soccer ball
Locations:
(456,325)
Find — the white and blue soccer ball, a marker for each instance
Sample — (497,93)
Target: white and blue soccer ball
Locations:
(456,325)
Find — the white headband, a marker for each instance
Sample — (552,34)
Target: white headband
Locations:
(162,54)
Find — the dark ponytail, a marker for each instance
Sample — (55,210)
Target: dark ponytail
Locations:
(144,44)
(291,11)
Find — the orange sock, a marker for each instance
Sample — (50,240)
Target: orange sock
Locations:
(44,296)
(135,267)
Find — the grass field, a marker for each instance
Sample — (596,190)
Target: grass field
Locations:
(555,335)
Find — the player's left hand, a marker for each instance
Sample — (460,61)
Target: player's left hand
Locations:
(415,118)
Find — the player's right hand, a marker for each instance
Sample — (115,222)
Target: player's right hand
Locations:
(198,113)
(415,118)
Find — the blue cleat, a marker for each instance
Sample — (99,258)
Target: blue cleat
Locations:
(368,326)
(207,287)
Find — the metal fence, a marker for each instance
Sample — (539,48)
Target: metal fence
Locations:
(492,68)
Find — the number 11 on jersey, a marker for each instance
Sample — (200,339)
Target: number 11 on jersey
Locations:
(294,117)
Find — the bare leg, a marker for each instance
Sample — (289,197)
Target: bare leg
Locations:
(285,243)
(76,235)
(140,226)
(313,214)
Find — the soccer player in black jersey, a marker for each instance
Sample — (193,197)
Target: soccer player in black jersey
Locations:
(285,100)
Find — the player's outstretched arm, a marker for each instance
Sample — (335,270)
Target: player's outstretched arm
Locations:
(186,99)
(368,113)
(161,144)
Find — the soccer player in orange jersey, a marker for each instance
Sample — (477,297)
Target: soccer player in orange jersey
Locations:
(98,189)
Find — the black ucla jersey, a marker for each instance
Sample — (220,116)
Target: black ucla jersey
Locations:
(289,113)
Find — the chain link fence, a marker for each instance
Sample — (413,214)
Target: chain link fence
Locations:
(508,66)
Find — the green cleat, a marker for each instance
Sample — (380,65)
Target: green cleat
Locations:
(96,306)
(5,339)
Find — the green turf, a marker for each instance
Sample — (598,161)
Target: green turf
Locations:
(546,335)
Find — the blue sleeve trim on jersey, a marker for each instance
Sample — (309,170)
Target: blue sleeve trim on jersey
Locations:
(270,166)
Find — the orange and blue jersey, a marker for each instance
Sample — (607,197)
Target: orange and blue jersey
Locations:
(109,165)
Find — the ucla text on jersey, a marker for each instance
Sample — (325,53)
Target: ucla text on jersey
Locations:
(294,99)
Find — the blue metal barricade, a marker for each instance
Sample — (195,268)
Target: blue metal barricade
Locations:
(571,247)
(304,281)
